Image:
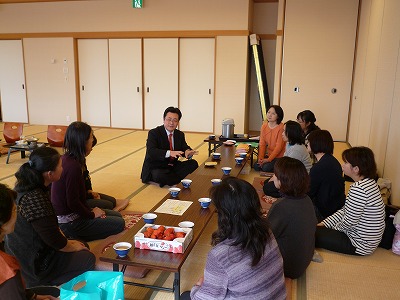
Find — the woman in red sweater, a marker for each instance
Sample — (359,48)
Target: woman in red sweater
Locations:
(271,145)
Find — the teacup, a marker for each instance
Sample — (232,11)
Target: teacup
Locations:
(186,183)
(174,191)
(243,155)
(149,218)
(226,170)
(205,202)
(216,155)
(215,181)
(239,160)
(122,248)
(186,224)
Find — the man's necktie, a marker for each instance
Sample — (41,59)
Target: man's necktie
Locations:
(171,148)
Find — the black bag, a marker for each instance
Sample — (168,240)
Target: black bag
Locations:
(388,234)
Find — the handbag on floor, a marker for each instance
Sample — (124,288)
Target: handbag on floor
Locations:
(94,285)
(396,239)
(388,234)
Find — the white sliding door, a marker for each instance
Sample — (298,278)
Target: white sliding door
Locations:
(160,78)
(196,84)
(12,82)
(126,83)
(94,82)
(319,41)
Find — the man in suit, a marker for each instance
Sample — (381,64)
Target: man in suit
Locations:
(165,145)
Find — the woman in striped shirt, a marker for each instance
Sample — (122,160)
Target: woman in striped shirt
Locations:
(358,226)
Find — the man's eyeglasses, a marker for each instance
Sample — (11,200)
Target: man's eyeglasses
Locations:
(171,120)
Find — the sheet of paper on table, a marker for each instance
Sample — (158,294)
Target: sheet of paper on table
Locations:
(173,207)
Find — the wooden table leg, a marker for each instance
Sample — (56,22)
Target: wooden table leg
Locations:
(177,284)
(115,267)
(8,155)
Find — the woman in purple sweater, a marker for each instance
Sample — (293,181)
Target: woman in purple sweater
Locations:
(245,262)
(68,195)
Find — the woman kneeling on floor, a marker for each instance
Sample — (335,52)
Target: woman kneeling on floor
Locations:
(292,217)
(46,256)
(11,283)
(356,228)
(245,262)
(96,199)
(69,194)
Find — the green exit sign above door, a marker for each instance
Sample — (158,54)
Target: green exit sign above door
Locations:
(137,3)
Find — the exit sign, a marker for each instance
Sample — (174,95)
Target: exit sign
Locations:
(137,3)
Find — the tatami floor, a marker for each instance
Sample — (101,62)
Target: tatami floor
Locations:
(115,165)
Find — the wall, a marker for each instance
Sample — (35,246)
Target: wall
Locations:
(117,18)
(231,101)
(264,25)
(376,88)
(118,15)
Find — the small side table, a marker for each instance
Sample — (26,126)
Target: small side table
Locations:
(22,149)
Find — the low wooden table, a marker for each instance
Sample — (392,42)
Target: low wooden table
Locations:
(227,160)
(214,144)
(22,149)
(166,261)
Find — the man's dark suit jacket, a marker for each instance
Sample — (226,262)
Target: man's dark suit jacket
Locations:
(157,146)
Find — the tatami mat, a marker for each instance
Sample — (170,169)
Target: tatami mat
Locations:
(348,277)
(115,165)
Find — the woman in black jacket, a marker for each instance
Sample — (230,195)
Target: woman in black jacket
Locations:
(326,178)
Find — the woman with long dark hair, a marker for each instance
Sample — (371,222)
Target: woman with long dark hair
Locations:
(245,262)
(96,199)
(11,284)
(46,256)
(69,194)
(292,218)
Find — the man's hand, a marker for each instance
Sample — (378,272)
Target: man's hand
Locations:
(189,153)
(175,154)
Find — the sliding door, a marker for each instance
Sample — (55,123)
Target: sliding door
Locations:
(126,83)
(196,84)
(160,78)
(318,61)
(12,82)
(94,82)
